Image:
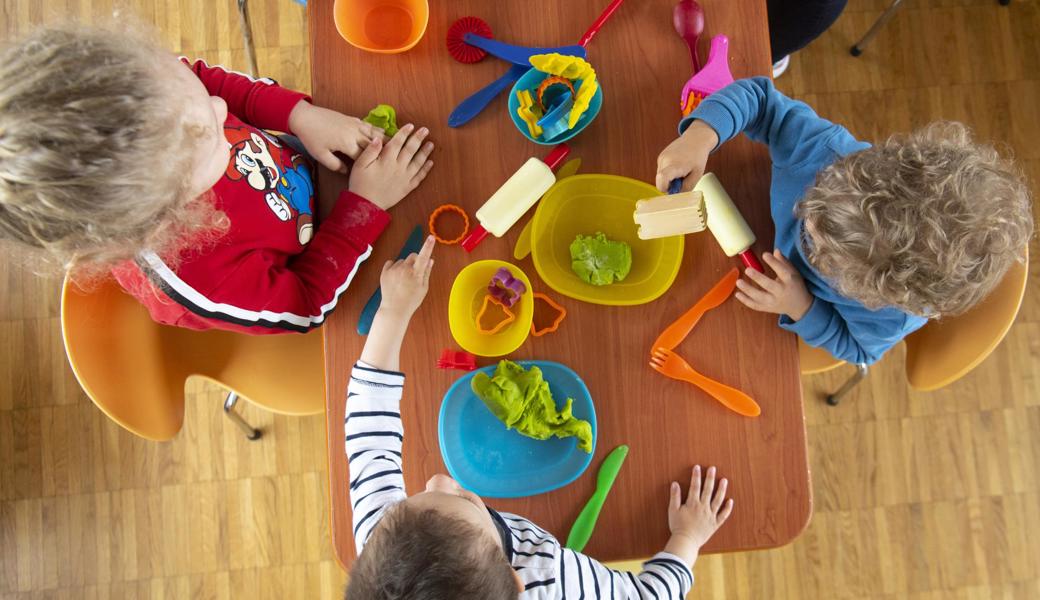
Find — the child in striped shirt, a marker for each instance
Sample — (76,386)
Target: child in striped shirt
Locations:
(445,542)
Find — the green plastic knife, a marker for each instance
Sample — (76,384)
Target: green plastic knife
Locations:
(581,531)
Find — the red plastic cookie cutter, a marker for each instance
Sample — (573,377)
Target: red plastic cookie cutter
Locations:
(561,314)
(436,215)
(457,359)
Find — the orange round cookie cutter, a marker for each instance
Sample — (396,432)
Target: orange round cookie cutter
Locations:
(560,316)
(436,214)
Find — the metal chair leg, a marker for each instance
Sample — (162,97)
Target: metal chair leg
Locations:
(252,433)
(861,372)
(885,17)
(247,35)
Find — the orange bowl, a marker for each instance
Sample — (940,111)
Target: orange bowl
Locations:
(384,26)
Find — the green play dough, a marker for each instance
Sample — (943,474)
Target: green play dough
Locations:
(384,117)
(520,398)
(600,261)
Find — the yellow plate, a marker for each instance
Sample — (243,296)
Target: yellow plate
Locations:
(586,204)
(467,296)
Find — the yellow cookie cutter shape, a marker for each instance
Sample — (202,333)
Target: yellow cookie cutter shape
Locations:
(529,112)
(573,68)
(435,217)
(561,314)
(467,301)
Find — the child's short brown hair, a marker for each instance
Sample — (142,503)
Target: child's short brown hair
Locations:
(425,555)
(927,222)
(94,156)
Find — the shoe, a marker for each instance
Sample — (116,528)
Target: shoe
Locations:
(780,66)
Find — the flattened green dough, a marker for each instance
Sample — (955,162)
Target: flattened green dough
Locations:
(521,399)
(600,261)
(384,117)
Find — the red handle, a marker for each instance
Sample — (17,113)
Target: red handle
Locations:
(607,12)
(748,258)
(554,158)
(475,237)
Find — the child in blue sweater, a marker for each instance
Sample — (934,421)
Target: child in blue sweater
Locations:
(871,241)
(444,542)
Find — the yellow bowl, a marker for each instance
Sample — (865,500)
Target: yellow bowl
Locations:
(383,26)
(586,204)
(466,299)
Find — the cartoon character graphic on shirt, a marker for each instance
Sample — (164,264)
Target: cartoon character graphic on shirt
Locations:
(287,190)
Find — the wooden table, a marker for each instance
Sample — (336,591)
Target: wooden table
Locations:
(670,426)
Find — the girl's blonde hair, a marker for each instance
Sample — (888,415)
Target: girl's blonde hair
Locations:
(95,157)
(927,222)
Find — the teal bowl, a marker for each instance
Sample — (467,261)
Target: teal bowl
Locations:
(530,81)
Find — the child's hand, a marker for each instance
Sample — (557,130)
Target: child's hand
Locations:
(325,131)
(404,282)
(385,175)
(785,295)
(694,522)
(686,156)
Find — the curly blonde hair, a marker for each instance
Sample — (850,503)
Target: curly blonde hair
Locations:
(94,151)
(927,222)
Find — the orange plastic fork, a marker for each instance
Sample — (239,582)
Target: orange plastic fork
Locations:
(672,365)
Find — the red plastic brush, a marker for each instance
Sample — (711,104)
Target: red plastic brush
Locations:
(457,46)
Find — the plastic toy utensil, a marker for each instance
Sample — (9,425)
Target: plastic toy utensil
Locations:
(472,106)
(505,288)
(456,41)
(672,365)
(674,334)
(529,112)
(508,316)
(688,19)
(436,215)
(561,314)
(583,526)
(411,246)
(457,359)
(553,100)
(713,77)
(555,121)
(518,55)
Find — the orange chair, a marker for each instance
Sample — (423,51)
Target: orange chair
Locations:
(944,350)
(134,369)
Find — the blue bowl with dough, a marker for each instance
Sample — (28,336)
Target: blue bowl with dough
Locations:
(492,461)
(530,81)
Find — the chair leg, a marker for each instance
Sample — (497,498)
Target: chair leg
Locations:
(861,372)
(247,36)
(885,17)
(252,433)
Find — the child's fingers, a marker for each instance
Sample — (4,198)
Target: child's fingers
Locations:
(426,275)
(423,172)
(720,495)
(369,154)
(420,158)
(329,161)
(748,302)
(709,486)
(674,497)
(695,484)
(724,514)
(387,265)
(422,259)
(412,145)
(393,147)
(776,261)
(756,295)
(764,281)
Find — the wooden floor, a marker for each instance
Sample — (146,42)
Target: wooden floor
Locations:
(922,496)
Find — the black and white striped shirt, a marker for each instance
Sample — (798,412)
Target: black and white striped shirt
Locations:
(374,435)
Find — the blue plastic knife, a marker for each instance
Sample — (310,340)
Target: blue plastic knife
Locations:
(471,107)
(411,246)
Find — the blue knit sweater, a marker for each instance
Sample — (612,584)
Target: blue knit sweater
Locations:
(801,143)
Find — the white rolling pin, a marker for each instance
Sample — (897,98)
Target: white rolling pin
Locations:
(726,223)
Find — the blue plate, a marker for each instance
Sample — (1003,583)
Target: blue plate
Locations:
(490,460)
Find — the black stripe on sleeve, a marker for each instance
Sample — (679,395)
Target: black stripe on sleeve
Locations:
(667,587)
(355,436)
(365,518)
(371,413)
(671,561)
(535,584)
(542,554)
(387,488)
(360,452)
(376,383)
(581,578)
(671,571)
(380,371)
(592,572)
(358,482)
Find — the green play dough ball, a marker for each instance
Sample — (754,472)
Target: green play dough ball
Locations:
(599,260)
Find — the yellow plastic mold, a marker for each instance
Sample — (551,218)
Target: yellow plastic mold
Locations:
(586,204)
(467,298)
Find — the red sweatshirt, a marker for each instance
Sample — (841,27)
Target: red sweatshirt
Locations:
(273,271)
